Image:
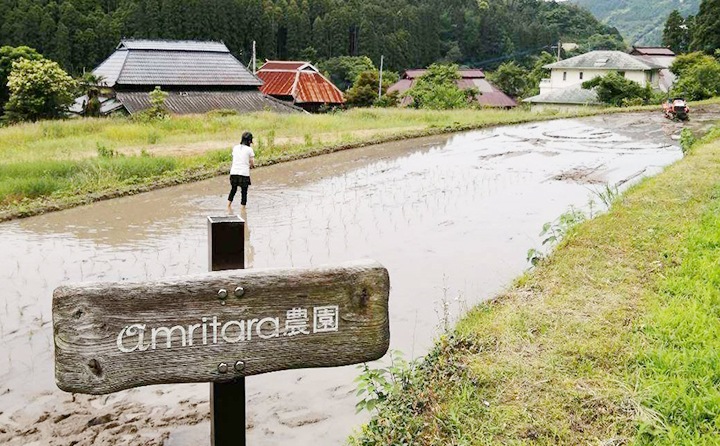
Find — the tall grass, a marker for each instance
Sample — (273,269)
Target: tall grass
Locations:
(75,139)
(30,180)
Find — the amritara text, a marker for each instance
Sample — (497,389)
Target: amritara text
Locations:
(297,323)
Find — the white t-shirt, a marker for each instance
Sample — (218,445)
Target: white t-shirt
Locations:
(241,160)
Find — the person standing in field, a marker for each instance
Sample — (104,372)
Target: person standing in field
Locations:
(243,158)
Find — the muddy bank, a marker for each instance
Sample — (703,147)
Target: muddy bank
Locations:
(451,217)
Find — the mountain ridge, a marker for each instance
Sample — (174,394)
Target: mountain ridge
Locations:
(641,22)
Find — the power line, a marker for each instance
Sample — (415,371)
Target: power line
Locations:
(510,56)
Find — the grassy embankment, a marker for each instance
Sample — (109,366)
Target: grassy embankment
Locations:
(57,164)
(612,340)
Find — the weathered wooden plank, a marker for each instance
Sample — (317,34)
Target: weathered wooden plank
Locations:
(115,336)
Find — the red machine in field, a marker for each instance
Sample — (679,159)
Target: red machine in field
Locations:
(676,109)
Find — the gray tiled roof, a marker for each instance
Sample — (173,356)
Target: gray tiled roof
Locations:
(173,45)
(110,69)
(188,102)
(605,60)
(572,95)
(174,63)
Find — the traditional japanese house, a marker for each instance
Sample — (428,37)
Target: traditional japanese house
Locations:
(490,95)
(563,89)
(299,83)
(661,56)
(199,77)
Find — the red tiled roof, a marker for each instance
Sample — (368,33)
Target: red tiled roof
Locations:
(469,73)
(277,83)
(305,85)
(490,95)
(313,87)
(282,65)
(652,51)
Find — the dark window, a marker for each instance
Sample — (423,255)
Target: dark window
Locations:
(581,75)
(621,73)
(564,75)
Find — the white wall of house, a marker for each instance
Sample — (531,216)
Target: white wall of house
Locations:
(570,77)
(559,108)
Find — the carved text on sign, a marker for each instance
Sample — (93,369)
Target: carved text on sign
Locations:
(213,331)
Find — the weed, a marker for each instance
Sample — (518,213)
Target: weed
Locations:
(687,140)
(270,138)
(609,195)
(375,385)
(153,137)
(104,152)
(534,256)
(554,231)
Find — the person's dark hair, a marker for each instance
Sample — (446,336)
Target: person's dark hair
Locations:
(246,138)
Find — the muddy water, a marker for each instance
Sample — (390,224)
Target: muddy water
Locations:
(450,217)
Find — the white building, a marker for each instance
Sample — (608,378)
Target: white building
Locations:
(564,87)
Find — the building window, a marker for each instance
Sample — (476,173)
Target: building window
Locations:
(564,75)
(581,75)
(621,73)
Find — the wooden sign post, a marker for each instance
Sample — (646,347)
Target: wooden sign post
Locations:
(218,327)
(226,251)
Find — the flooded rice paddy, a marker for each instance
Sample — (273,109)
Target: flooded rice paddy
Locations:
(450,217)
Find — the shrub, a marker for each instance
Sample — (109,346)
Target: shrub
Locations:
(684,62)
(8,55)
(700,80)
(511,78)
(687,140)
(39,89)
(157,109)
(364,91)
(615,90)
(344,70)
(391,99)
(437,90)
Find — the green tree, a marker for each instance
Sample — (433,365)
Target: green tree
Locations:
(437,89)
(387,100)
(539,72)
(603,42)
(700,80)
(409,33)
(676,33)
(613,89)
(364,91)
(8,55)
(706,30)
(90,85)
(39,89)
(344,70)
(684,62)
(62,52)
(511,78)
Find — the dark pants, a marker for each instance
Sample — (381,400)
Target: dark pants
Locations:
(244,183)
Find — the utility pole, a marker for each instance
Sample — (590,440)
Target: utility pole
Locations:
(559,49)
(253,58)
(382,60)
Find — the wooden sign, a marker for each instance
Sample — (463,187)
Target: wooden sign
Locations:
(218,326)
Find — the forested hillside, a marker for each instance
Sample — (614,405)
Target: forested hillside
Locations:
(410,33)
(639,21)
